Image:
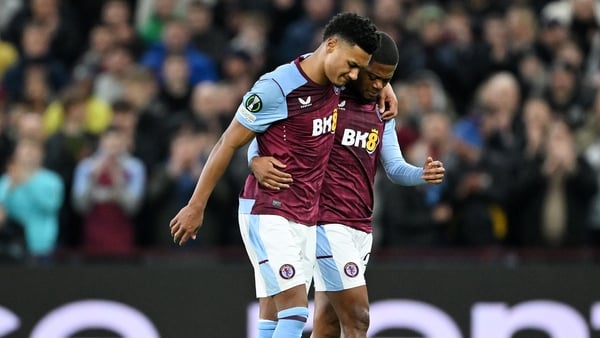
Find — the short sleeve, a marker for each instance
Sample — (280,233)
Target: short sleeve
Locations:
(263,105)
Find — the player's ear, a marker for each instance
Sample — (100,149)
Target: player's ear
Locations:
(331,43)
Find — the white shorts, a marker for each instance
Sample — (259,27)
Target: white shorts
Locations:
(282,252)
(342,257)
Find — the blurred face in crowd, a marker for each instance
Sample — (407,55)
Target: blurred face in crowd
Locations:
(101,39)
(113,143)
(584,10)
(117,60)
(536,113)
(562,81)
(165,8)
(28,153)
(176,69)
(36,85)
(115,12)
(435,128)
(36,41)
(30,125)
(319,10)
(175,36)
(44,9)
(495,31)
(387,11)
(199,18)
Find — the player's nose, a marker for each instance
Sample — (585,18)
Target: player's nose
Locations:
(353,75)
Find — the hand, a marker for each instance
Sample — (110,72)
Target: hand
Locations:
(388,99)
(265,169)
(433,171)
(186,223)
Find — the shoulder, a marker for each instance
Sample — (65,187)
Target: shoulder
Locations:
(287,77)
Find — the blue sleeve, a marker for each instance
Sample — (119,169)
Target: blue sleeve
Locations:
(263,105)
(396,168)
(253,150)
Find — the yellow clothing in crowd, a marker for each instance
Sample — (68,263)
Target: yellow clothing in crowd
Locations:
(8,56)
(98,118)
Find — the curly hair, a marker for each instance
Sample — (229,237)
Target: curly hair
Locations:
(355,29)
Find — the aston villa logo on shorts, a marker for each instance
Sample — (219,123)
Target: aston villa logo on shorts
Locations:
(287,271)
(351,269)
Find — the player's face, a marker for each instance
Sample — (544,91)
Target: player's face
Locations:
(344,61)
(373,79)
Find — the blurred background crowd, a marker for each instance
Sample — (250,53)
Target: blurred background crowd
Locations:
(109,108)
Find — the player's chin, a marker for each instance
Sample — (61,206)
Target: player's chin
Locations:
(342,81)
(370,97)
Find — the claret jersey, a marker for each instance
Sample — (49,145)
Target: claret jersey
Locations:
(295,120)
(362,139)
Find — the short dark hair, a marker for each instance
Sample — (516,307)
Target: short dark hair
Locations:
(355,29)
(387,53)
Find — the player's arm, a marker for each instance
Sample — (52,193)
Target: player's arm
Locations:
(259,109)
(267,169)
(388,103)
(401,172)
(186,223)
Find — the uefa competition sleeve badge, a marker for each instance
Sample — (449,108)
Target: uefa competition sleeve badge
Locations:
(251,105)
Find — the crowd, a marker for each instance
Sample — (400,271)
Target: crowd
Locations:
(108,110)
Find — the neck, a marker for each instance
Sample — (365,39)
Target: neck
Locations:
(313,67)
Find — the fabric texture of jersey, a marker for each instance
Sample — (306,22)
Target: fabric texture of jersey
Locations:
(347,193)
(295,120)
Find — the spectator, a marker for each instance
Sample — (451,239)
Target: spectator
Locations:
(251,38)
(206,36)
(173,182)
(6,142)
(553,193)
(213,104)
(300,36)
(8,56)
(35,55)
(566,95)
(588,142)
(31,196)
(153,119)
(97,113)
(238,72)
(176,39)
(176,87)
(116,16)
(416,216)
(153,16)
(60,26)
(107,190)
(90,63)
(108,85)
(65,148)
